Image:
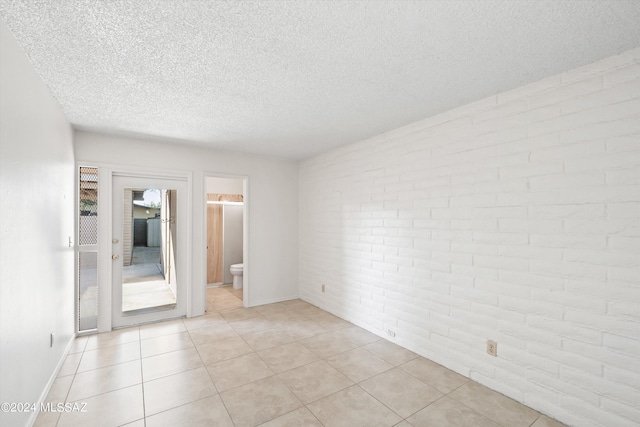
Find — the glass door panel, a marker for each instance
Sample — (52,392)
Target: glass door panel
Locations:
(147,231)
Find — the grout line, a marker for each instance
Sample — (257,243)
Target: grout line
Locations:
(276,325)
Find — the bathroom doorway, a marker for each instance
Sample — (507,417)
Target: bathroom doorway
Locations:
(225,220)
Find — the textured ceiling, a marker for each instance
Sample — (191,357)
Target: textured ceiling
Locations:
(298,78)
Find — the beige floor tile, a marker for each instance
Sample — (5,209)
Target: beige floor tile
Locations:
(271,308)
(209,411)
(309,311)
(358,364)
(70,365)
(238,293)
(206,321)
(46,419)
(225,304)
(171,363)
(328,344)
(544,421)
(448,412)
(79,345)
(435,375)
(390,352)
(163,328)
(215,333)
(238,371)
(267,339)
(259,401)
(285,316)
(287,356)
(103,380)
(314,381)
(296,304)
(299,418)
(301,329)
(108,356)
(109,409)
(165,344)
(217,351)
(57,394)
(176,390)
(117,337)
(247,326)
(400,391)
(495,406)
(357,335)
(240,314)
(265,362)
(329,321)
(353,407)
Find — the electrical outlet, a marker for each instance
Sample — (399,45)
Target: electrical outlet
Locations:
(492,348)
(391,333)
(322,288)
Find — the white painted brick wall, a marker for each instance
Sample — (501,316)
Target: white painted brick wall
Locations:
(515,218)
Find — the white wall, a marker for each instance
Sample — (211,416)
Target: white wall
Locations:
(37,214)
(517,219)
(224,185)
(271,200)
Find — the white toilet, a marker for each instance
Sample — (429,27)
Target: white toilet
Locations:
(236,272)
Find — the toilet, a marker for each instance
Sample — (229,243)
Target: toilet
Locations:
(236,272)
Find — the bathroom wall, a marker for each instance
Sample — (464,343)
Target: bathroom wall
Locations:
(516,219)
(232,239)
(37,207)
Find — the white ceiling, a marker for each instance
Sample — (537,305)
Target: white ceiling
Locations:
(298,78)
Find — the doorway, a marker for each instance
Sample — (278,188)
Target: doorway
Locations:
(148,227)
(225,222)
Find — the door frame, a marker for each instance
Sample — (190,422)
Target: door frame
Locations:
(123,181)
(245,233)
(106,171)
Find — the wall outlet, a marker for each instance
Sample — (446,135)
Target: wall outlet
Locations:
(322,288)
(492,348)
(391,333)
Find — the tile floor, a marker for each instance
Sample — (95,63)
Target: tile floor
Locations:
(284,364)
(143,284)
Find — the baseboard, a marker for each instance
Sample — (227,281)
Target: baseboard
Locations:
(47,388)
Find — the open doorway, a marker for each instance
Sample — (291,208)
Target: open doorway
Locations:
(225,237)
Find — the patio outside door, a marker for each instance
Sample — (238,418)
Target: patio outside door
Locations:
(148,243)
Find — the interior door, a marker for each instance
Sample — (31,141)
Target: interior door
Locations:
(148,246)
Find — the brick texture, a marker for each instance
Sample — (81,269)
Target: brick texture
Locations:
(515,219)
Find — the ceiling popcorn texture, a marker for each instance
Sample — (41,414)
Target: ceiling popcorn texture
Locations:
(298,78)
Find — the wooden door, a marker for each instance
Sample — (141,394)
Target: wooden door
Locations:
(214,244)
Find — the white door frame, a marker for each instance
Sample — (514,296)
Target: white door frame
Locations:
(119,183)
(106,171)
(246,301)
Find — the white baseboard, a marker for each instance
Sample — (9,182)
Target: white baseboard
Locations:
(47,388)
